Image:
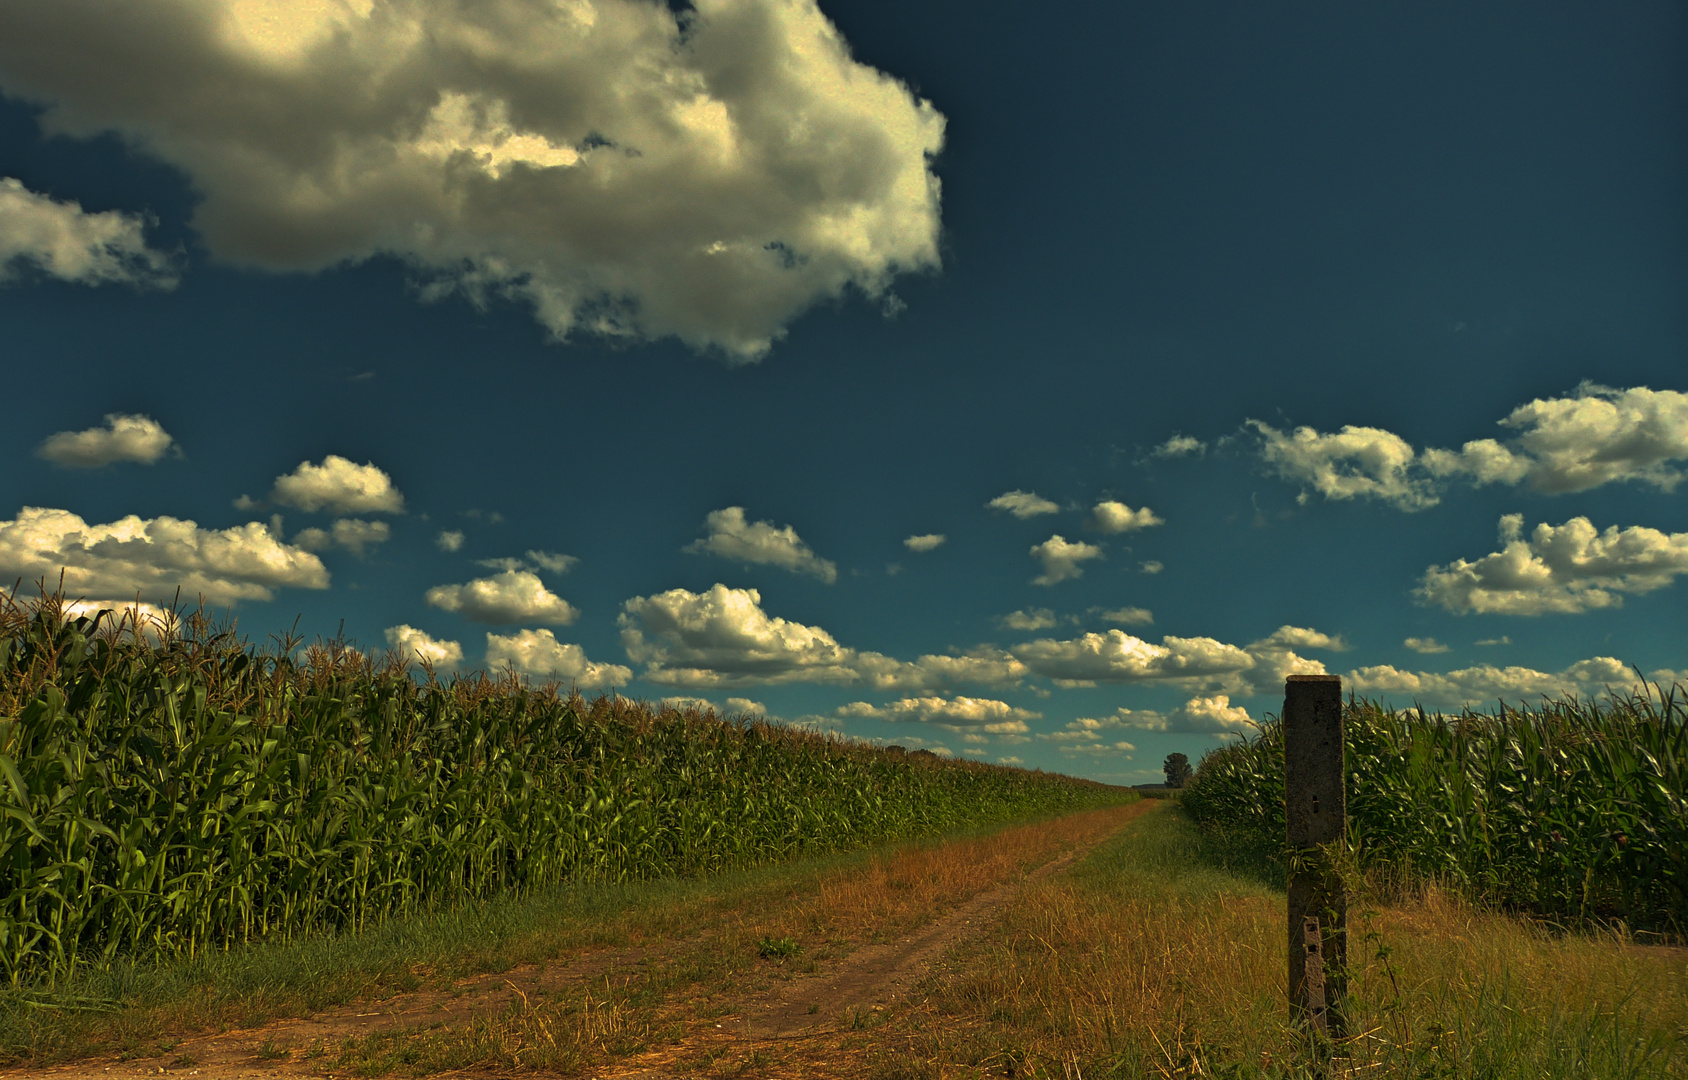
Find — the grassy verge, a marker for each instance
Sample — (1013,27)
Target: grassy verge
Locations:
(706,935)
(1150,960)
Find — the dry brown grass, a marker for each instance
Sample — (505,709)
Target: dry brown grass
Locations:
(1140,966)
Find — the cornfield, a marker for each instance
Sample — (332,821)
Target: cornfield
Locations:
(166,794)
(1573,809)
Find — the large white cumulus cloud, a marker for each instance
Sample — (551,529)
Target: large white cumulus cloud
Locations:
(1596,436)
(153,557)
(538,653)
(621,168)
(1562,569)
(723,638)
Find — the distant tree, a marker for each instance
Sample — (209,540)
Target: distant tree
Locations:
(1177,770)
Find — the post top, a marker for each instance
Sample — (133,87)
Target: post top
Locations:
(1314,678)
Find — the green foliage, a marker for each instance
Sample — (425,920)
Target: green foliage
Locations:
(1177,769)
(162,797)
(771,948)
(1571,809)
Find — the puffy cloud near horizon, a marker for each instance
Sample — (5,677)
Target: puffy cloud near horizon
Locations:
(62,240)
(533,560)
(983,715)
(1300,637)
(723,638)
(510,597)
(1596,436)
(352,534)
(1487,683)
(732,537)
(1214,715)
(1116,517)
(123,437)
(1023,504)
(1061,559)
(624,169)
(149,621)
(338,485)
(1564,569)
(419,646)
(538,654)
(927,542)
(1116,656)
(1198,663)
(154,557)
(1426,646)
(1127,616)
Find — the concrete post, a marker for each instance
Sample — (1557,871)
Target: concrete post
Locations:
(1316,813)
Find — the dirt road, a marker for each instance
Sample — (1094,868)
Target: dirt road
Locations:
(883,944)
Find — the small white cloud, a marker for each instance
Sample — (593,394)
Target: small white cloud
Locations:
(449,540)
(1023,504)
(64,241)
(1116,517)
(1128,616)
(551,561)
(732,537)
(1211,715)
(984,715)
(1562,569)
(1032,619)
(511,597)
(1061,560)
(154,557)
(1099,735)
(338,485)
(416,645)
(122,438)
(1426,646)
(538,654)
(1299,637)
(353,534)
(925,542)
(1151,566)
(1502,640)
(1180,446)
(746,706)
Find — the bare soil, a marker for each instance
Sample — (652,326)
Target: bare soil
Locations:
(843,987)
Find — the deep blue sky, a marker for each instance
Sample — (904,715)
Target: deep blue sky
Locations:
(1156,219)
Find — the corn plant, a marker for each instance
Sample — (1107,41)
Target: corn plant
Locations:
(1573,809)
(166,794)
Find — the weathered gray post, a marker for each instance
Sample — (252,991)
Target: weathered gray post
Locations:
(1316,813)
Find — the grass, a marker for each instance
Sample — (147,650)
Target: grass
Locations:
(1151,960)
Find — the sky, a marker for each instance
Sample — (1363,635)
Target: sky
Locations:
(1038,387)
